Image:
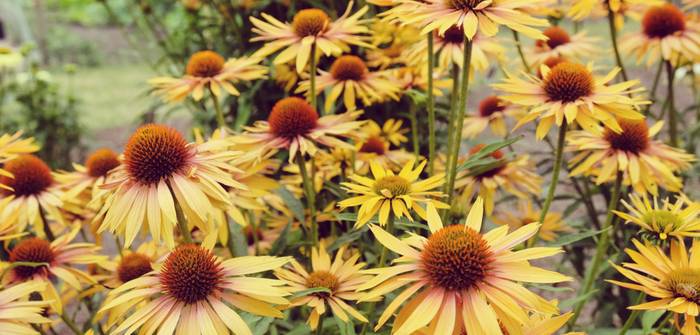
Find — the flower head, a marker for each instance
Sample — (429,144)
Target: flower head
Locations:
(666,33)
(570,92)
(645,163)
(492,113)
(193,281)
(550,228)
(672,283)
(20,313)
(341,278)
(159,168)
(350,76)
(459,272)
(390,194)
(309,26)
(208,70)
(294,124)
(475,16)
(562,45)
(658,222)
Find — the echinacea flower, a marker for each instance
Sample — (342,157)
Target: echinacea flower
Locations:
(677,219)
(294,125)
(667,34)
(645,163)
(569,92)
(582,9)
(550,228)
(390,194)
(492,113)
(350,77)
(309,26)
(17,312)
(341,277)
(194,291)
(207,70)
(457,272)
(560,44)
(84,184)
(484,16)
(58,260)
(515,176)
(159,168)
(13,145)
(672,283)
(392,130)
(377,149)
(449,49)
(35,195)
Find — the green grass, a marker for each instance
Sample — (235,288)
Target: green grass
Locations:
(110,95)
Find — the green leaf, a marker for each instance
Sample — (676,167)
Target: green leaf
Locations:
(568,303)
(347,238)
(293,203)
(281,242)
(569,239)
(240,242)
(346,328)
(551,288)
(306,292)
(482,157)
(649,318)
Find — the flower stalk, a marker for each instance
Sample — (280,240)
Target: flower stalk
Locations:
(310,197)
(455,132)
(616,49)
(312,77)
(431,105)
(672,112)
(220,120)
(601,249)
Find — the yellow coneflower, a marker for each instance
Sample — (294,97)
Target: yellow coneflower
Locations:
(658,222)
(561,45)
(159,168)
(193,291)
(672,282)
(390,194)
(36,197)
(14,145)
(449,49)
(550,228)
(350,77)
(285,76)
(570,92)
(127,266)
(666,34)
(59,258)
(516,176)
(392,130)
(341,277)
(475,15)
(459,271)
(294,124)
(645,163)
(492,112)
(207,70)
(18,312)
(84,183)
(309,27)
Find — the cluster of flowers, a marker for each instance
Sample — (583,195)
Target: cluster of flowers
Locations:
(181,201)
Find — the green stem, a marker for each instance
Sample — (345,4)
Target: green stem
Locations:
(45,225)
(519,47)
(613,37)
(558,158)
(390,230)
(414,129)
(672,117)
(220,121)
(254,227)
(654,87)
(71,325)
(319,329)
(633,316)
(181,221)
(312,77)
(456,132)
(431,106)
(119,245)
(601,250)
(310,197)
(454,100)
